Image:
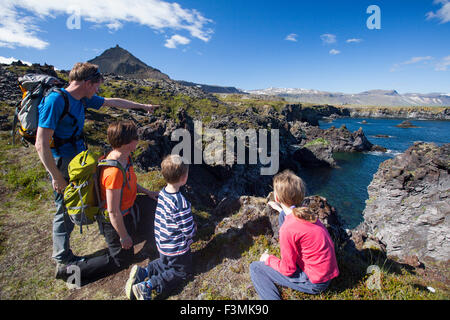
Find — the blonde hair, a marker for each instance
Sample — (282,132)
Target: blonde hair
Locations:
(290,190)
(173,168)
(82,71)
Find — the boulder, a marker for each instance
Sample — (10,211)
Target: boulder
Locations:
(408,210)
(406,124)
(327,215)
(249,216)
(317,154)
(340,139)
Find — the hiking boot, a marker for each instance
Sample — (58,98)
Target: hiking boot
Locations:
(61,271)
(76,259)
(137,274)
(142,291)
(61,267)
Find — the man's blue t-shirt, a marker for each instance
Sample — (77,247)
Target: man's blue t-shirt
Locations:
(50,111)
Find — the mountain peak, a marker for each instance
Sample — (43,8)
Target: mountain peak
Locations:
(119,61)
(382,92)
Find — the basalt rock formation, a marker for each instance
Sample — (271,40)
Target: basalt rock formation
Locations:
(408,210)
(300,144)
(443,113)
(253,216)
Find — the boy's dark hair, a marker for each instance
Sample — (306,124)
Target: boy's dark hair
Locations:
(173,168)
(121,133)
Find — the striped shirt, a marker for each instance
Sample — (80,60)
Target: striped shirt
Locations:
(174,224)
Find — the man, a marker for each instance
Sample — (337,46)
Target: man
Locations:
(59,138)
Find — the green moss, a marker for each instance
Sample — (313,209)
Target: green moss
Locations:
(317,142)
(152,180)
(243,102)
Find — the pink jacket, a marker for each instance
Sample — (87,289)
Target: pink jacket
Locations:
(308,246)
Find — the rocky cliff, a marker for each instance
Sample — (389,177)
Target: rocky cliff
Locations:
(430,113)
(300,145)
(408,210)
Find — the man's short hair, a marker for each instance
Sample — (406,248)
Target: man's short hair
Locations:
(173,168)
(121,133)
(84,71)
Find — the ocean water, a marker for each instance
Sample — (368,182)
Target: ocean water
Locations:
(346,187)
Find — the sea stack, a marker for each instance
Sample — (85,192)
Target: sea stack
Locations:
(408,209)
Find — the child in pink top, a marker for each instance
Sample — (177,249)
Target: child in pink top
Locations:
(308,261)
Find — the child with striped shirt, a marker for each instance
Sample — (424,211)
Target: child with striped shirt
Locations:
(174,231)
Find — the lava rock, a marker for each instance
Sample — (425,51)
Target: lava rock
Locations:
(408,209)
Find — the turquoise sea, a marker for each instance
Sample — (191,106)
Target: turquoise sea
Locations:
(346,187)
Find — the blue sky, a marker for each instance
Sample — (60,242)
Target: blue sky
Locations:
(323,45)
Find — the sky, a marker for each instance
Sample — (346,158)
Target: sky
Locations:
(346,46)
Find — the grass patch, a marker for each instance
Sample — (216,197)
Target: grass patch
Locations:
(151,180)
(317,142)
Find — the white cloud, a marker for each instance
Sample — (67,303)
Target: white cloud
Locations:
(443,64)
(176,40)
(334,52)
(19,29)
(114,26)
(417,60)
(291,37)
(413,60)
(442,14)
(10,60)
(328,38)
(353,40)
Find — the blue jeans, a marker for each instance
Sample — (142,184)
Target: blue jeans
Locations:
(62,225)
(265,277)
(167,273)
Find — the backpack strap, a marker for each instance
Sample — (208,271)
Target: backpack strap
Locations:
(14,124)
(58,142)
(115,163)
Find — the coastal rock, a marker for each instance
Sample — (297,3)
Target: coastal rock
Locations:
(408,210)
(441,113)
(406,124)
(255,217)
(300,145)
(340,139)
(317,154)
(311,115)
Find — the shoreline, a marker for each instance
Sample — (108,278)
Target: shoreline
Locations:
(415,113)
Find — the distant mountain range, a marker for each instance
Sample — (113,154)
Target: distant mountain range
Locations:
(119,61)
(368,98)
(212,88)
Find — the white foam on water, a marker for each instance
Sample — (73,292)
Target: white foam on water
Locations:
(388,152)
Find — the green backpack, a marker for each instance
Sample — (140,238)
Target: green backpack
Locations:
(82,195)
